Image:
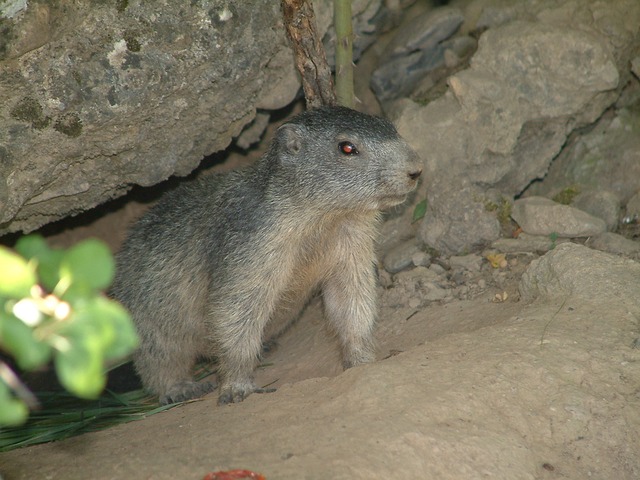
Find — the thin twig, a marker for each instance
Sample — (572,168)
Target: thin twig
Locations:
(311,59)
(546,326)
(20,389)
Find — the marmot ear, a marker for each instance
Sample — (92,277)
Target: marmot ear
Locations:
(291,137)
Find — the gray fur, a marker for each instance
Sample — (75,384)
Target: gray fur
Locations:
(205,270)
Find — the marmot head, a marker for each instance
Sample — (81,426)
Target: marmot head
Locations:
(341,158)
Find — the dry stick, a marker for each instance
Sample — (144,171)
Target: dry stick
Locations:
(13,382)
(344,52)
(311,60)
(553,317)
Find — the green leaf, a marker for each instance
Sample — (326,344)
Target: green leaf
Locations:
(16,275)
(88,322)
(126,338)
(79,368)
(420,210)
(34,246)
(98,330)
(13,412)
(109,322)
(49,269)
(78,293)
(17,338)
(90,263)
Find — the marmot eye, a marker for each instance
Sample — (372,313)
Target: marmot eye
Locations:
(348,148)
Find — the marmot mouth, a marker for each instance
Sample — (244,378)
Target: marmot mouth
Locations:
(391,200)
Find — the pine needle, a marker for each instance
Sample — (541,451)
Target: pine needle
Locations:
(63,415)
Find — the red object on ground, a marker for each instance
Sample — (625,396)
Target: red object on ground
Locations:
(233,475)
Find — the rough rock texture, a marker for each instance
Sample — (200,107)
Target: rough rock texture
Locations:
(98,96)
(576,272)
(632,210)
(607,157)
(527,243)
(401,256)
(457,219)
(600,203)
(614,243)
(539,72)
(541,216)
(418,48)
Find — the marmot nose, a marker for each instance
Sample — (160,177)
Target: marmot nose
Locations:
(415,175)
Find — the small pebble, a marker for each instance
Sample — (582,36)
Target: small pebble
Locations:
(459,277)
(414,302)
(400,257)
(438,269)
(384,279)
(421,259)
(435,292)
(469,262)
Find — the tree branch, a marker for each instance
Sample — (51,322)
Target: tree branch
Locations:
(311,59)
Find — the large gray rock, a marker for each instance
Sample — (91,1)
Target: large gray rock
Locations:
(600,203)
(457,220)
(504,119)
(614,243)
(541,216)
(575,271)
(416,49)
(605,158)
(98,96)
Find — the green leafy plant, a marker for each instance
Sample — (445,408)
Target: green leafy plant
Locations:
(52,309)
(419,211)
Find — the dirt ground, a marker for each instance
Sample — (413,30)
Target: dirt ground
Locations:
(469,389)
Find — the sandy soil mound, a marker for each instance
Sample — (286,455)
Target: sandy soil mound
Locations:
(471,389)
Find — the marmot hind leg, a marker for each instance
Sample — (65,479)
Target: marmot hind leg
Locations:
(188,390)
(166,370)
(238,355)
